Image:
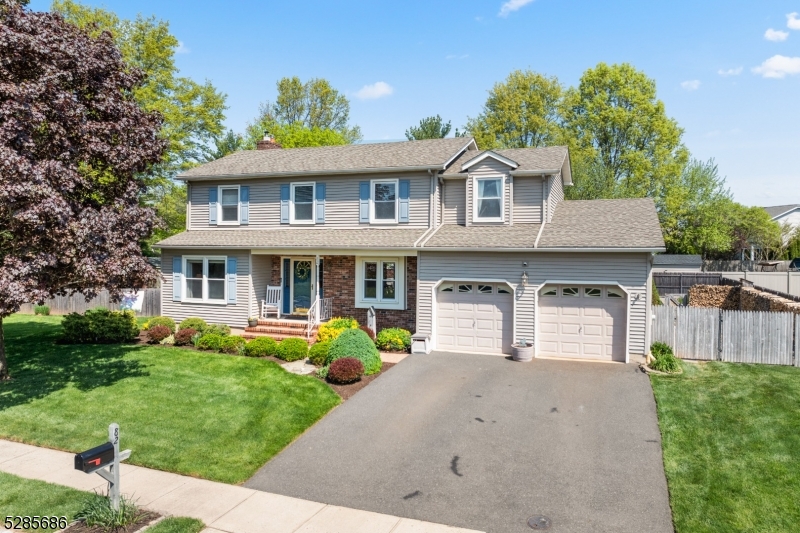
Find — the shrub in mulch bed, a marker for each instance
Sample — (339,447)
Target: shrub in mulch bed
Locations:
(368,331)
(161,321)
(665,361)
(184,336)
(355,343)
(394,339)
(222,330)
(210,341)
(195,323)
(292,349)
(156,334)
(318,353)
(261,347)
(347,391)
(232,344)
(345,370)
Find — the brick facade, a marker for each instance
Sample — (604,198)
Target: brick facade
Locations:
(339,283)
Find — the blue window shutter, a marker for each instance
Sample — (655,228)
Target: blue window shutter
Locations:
(231,279)
(320,197)
(287,289)
(212,205)
(177,282)
(405,191)
(284,204)
(244,207)
(363,202)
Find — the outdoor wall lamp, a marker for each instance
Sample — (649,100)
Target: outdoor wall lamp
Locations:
(524,279)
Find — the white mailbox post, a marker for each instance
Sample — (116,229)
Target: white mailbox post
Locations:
(106,455)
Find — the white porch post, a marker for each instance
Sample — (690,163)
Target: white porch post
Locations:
(316,288)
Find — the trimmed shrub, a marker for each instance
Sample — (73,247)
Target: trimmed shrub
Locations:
(99,326)
(162,321)
(366,329)
(261,347)
(656,298)
(195,323)
(292,349)
(665,360)
(355,343)
(169,341)
(345,370)
(184,336)
(222,330)
(322,372)
(232,344)
(157,334)
(395,339)
(41,310)
(318,353)
(334,327)
(209,341)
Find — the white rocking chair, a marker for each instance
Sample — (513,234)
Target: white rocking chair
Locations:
(272,303)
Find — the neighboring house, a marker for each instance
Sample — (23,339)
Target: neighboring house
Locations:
(785,213)
(470,250)
(677,263)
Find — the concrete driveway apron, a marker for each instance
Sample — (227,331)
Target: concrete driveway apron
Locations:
(483,442)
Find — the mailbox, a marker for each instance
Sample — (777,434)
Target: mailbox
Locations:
(98,457)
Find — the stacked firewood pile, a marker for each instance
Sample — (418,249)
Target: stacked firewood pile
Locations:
(755,300)
(719,296)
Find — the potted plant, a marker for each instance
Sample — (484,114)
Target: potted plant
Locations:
(522,351)
(252,321)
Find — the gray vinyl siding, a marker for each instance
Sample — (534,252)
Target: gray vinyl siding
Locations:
(629,270)
(232,314)
(341,200)
(261,274)
(528,193)
(489,168)
(455,202)
(556,194)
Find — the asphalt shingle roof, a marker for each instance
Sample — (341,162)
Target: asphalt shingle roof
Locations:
(629,223)
(335,159)
(780,209)
(529,159)
(454,236)
(296,238)
(678,259)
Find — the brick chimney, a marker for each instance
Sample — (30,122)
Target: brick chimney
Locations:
(267,143)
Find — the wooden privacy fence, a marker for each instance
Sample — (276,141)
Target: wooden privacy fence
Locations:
(61,305)
(679,282)
(733,336)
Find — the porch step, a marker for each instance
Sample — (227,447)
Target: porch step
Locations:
(250,335)
(293,324)
(280,329)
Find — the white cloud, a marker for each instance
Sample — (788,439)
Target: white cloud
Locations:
(376,90)
(456,56)
(778,67)
(182,48)
(730,72)
(691,85)
(511,6)
(776,35)
(792,21)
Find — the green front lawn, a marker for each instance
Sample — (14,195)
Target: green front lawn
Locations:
(731,440)
(209,415)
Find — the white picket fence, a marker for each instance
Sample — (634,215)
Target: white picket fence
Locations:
(733,336)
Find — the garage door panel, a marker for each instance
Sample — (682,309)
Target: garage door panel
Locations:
(570,311)
(569,329)
(475,321)
(593,349)
(548,328)
(593,330)
(594,312)
(485,325)
(570,348)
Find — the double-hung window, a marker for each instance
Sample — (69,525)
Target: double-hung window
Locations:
(383,209)
(380,283)
(302,206)
(205,279)
(229,205)
(488,200)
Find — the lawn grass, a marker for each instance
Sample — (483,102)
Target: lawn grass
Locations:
(29,497)
(731,441)
(208,415)
(178,525)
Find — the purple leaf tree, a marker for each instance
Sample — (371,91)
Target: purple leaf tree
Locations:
(73,147)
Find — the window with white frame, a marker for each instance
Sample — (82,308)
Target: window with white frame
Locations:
(302,205)
(380,283)
(383,205)
(205,279)
(488,199)
(229,205)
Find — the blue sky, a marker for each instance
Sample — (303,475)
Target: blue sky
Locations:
(729,72)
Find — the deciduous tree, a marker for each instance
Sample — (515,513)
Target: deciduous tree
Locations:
(74,145)
(429,128)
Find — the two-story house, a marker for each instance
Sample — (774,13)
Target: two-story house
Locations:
(470,250)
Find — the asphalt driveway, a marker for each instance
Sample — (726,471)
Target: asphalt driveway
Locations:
(485,443)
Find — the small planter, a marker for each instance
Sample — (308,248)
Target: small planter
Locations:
(522,352)
(252,322)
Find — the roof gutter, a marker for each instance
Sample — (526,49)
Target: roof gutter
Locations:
(374,170)
(523,173)
(494,249)
(410,248)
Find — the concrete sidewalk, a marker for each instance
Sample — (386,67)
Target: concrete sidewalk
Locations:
(224,508)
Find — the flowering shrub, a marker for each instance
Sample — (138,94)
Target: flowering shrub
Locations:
(334,327)
(395,339)
(157,334)
(345,370)
(184,336)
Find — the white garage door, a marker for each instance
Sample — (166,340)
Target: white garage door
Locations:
(582,322)
(474,317)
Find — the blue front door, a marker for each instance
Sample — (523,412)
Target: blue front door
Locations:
(302,275)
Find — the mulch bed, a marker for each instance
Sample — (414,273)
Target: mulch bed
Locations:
(144,520)
(347,391)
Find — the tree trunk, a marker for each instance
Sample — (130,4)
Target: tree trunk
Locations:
(3,362)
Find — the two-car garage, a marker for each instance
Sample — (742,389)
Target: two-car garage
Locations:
(573,321)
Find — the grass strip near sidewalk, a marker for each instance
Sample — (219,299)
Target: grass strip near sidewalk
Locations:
(731,442)
(201,414)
